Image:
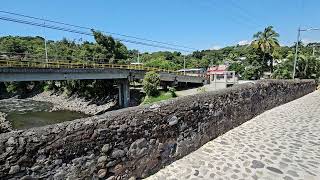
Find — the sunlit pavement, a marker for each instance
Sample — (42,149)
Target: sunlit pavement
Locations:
(282,143)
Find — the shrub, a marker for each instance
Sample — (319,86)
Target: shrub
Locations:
(202,89)
(172,90)
(151,82)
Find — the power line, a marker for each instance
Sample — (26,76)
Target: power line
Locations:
(32,23)
(245,13)
(236,19)
(87,28)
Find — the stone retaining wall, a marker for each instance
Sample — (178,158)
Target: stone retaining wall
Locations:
(136,142)
(5,125)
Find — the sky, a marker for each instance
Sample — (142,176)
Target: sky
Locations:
(199,24)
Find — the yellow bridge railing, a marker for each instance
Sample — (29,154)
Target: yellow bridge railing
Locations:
(61,64)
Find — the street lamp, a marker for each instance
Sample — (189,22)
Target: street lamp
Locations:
(297,47)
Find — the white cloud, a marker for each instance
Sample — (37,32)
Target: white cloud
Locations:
(244,42)
(216,47)
(307,41)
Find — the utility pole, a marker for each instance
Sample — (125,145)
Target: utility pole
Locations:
(296,54)
(313,50)
(138,58)
(45,41)
(184,65)
(297,48)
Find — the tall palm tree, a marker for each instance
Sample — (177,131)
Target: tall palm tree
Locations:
(266,42)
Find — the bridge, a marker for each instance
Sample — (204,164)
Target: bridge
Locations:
(43,71)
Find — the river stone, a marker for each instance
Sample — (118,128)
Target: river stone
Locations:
(118,169)
(14,169)
(9,149)
(58,162)
(173,121)
(112,163)
(59,176)
(11,141)
(102,159)
(106,148)
(118,154)
(138,148)
(111,178)
(155,106)
(275,170)
(21,142)
(293,173)
(27,178)
(102,173)
(35,168)
(257,164)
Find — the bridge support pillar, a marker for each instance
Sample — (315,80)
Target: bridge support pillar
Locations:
(124,93)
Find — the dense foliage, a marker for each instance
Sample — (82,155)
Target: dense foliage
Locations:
(151,82)
(253,61)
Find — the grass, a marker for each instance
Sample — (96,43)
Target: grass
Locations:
(163,96)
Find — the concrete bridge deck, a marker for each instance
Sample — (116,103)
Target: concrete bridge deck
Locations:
(44,71)
(282,143)
(13,70)
(43,74)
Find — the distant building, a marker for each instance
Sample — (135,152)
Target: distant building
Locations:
(220,77)
(219,69)
(199,72)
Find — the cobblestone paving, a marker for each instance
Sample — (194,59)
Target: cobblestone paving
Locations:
(282,143)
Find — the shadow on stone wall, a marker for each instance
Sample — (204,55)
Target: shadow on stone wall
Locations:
(136,142)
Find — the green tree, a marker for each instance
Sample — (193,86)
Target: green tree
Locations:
(266,42)
(151,82)
(114,49)
(308,67)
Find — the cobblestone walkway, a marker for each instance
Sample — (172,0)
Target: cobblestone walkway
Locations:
(283,143)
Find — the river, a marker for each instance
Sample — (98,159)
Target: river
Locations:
(25,113)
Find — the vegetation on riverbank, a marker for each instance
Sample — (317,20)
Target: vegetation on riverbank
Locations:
(163,95)
(250,61)
(151,83)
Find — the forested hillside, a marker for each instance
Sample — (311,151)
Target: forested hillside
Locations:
(250,61)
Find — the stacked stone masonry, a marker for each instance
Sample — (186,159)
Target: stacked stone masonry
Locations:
(137,142)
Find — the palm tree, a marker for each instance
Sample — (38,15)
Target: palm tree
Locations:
(266,42)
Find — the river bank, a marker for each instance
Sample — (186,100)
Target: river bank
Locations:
(74,103)
(18,114)
(48,108)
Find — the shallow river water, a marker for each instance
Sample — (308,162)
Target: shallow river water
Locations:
(24,113)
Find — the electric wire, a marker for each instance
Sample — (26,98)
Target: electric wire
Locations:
(32,23)
(87,28)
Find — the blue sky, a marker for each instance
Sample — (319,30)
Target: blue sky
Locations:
(202,24)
